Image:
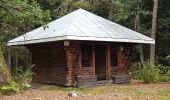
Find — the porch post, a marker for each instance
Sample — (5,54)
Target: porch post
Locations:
(93,60)
(120,60)
(108,63)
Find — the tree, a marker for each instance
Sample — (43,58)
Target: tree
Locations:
(110,10)
(153,33)
(137,27)
(4,71)
(17,17)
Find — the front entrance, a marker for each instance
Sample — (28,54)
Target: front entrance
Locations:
(100,62)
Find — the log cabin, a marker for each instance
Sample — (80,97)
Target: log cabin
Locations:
(81,49)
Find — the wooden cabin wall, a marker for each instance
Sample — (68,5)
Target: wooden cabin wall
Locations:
(72,58)
(85,70)
(74,68)
(123,63)
(50,62)
(59,64)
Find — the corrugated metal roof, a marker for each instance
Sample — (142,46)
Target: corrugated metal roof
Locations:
(82,25)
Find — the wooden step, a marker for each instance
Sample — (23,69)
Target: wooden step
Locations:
(120,79)
(104,82)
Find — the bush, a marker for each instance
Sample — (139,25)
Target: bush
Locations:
(165,77)
(20,81)
(9,89)
(24,77)
(148,72)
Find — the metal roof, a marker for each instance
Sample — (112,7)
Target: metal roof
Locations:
(82,25)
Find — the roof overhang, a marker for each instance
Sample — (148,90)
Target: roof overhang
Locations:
(81,38)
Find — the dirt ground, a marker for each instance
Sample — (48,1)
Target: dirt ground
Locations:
(132,91)
(34,94)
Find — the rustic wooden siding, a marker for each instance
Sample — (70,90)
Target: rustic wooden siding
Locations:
(123,60)
(87,81)
(73,62)
(74,66)
(50,62)
(59,64)
(121,72)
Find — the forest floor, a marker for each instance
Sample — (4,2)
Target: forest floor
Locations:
(132,91)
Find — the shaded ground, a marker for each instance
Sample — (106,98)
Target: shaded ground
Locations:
(133,91)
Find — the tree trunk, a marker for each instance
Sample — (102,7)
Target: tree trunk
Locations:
(110,10)
(9,58)
(4,70)
(153,33)
(92,1)
(141,54)
(137,27)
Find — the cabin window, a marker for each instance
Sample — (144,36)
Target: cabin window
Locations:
(86,55)
(114,58)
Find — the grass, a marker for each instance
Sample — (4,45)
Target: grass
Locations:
(143,93)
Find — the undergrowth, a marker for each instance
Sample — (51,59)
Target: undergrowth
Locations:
(19,82)
(150,72)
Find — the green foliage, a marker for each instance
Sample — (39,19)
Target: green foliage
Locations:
(4,71)
(149,72)
(9,89)
(83,4)
(165,76)
(20,82)
(24,77)
(18,16)
(68,6)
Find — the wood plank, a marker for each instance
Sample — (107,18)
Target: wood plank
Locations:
(94,71)
(108,63)
(87,81)
(124,78)
(50,63)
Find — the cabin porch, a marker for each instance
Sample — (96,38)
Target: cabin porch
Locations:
(94,62)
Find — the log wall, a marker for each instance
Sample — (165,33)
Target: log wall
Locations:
(120,73)
(50,62)
(74,66)
(123,57)
(73,62)
(62,65)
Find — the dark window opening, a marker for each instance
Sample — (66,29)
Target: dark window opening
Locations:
(114,58)
(86,55)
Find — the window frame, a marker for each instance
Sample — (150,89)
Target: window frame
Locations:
(111,58)
(90,55)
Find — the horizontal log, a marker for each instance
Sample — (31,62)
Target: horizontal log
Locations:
(87,81)
(126,78)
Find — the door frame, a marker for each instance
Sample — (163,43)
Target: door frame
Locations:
(108,63)
(107,58)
